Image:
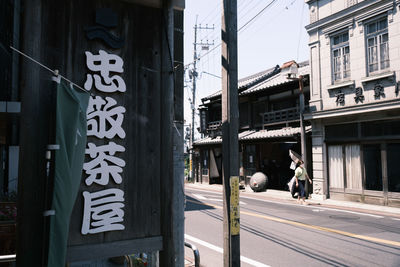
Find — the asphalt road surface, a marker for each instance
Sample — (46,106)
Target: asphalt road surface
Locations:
(274,233)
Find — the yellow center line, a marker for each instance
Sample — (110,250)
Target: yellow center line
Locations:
(320,228)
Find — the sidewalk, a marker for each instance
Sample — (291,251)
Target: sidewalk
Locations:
(285,196)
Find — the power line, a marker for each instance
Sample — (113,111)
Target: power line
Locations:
(243,14)
(252,19)
(217,8)
(244,6)
(301,25)
(251,31)
(259,13)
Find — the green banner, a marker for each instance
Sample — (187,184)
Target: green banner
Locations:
(71,137)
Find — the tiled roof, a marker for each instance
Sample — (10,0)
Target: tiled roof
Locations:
(284,132)
(260,81)
(208,141)
(218,139)
(256,135)
(276,80)
(247,81)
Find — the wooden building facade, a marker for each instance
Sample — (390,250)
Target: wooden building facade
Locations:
(141,42)
(269,112)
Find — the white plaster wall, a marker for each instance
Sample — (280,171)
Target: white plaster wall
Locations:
(325,8)
(319,181)
(320,48)
(326,78)
(358,66)
(330,7)
(394,37)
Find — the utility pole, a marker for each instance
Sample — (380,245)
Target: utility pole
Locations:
(230,126)
(302,129)
(193,74)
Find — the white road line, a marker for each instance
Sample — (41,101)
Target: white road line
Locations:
(317,210)
(215,199)
(348,211)
(395,219)
(220,200)
(313,207)
(220,250)
(199,196)
(310,206)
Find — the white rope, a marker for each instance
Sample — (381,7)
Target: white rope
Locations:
(55,72)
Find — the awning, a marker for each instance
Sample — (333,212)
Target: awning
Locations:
(256,135)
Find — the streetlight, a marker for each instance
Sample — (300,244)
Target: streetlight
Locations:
(292,75)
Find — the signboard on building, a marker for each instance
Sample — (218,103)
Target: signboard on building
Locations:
(122,53)
(119,61)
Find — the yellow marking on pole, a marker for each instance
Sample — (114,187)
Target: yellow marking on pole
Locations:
(234,205)
(314,227)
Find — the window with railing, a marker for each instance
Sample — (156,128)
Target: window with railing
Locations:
(377,40)
(340,57)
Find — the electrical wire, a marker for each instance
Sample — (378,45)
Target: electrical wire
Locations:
(301,25)
(258,14)
(247,23)
(243,14)
(217,8)
(253,34)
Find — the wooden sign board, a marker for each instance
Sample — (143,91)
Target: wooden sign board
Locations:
(117,48)
(119,51)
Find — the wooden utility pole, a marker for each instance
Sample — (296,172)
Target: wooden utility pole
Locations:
(178,162)
(171,186)
(302,129)
(230,126)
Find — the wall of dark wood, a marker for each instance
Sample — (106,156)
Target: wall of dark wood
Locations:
(53,32)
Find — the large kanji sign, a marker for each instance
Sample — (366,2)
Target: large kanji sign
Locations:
(119,196)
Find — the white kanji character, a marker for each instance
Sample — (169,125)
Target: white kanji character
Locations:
(105,112)
(100,165)
(104,63)
(102,211)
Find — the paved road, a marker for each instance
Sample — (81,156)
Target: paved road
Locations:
(274,233)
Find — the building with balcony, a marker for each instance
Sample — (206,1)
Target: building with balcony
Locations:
(269,125)
(354,100)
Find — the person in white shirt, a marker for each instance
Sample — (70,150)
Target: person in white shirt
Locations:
(301,174)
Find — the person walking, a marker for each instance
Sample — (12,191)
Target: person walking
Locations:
(301,175)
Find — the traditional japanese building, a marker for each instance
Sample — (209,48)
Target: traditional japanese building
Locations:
(269,125)
(354,100)
(126,57)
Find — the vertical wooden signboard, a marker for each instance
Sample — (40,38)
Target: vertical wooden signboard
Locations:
(120,51)
(118,207)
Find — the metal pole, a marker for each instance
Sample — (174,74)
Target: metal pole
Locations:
(230,126)
(196,253)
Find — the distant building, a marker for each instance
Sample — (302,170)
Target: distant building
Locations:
(355,102)
(269,126)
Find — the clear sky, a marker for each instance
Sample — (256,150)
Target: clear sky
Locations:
(275,36)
